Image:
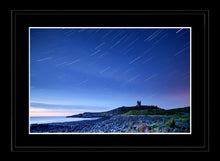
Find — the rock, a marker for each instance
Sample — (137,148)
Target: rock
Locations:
(175,130)
(112,124)
(147,130)
(142,128)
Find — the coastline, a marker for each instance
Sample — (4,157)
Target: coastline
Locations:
(113,124)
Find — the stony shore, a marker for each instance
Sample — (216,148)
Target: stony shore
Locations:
(114,124)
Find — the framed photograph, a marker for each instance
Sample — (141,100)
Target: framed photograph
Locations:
(110,80)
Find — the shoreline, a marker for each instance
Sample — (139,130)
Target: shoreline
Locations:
(59,119)
(113,124)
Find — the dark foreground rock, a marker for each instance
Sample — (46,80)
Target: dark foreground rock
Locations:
(114,124)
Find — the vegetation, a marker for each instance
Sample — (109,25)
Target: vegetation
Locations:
(130,126)
(163,121)
(172,123)
(178,111)
(174,120)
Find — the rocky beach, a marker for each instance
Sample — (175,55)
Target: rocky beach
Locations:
(115,124)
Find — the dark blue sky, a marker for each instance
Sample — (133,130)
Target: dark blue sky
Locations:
(105,68)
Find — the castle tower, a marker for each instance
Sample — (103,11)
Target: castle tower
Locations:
(138,103)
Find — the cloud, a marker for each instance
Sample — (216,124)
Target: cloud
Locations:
(43,107)
(38,109)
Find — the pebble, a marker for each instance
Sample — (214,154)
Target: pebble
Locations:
(112,124)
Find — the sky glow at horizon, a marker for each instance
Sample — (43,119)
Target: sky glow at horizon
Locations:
(77,70)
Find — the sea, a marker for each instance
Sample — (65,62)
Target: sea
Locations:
(56,119)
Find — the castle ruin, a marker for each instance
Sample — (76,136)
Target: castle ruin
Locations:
(138,103)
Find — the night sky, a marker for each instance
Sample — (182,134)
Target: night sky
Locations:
(74,70)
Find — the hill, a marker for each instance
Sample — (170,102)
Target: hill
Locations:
(117,111)
(134,110)
(158,111)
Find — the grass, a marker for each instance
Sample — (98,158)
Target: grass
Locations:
(130,125)
(166,122)
(169,126)
(146,112)
(172,123)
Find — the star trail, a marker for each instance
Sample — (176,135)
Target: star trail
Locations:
(105,68)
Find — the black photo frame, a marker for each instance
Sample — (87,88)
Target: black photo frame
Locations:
(21,20)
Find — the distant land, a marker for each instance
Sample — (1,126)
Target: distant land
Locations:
(134,110)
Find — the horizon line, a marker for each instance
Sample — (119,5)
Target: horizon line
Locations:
(108,110)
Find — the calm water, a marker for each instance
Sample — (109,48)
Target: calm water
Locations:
(43,120)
